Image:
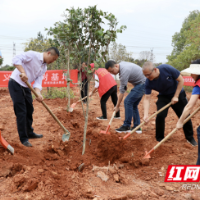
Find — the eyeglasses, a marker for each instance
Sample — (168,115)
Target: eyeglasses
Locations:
(147,75)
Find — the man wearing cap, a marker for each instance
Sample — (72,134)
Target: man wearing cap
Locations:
(132,73)
(106,86)
(194,71)
(169,83)
(30,66)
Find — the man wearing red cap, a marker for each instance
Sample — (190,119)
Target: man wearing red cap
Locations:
(106,86)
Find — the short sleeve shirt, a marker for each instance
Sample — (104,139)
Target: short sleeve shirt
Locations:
(166,83)
(196,90)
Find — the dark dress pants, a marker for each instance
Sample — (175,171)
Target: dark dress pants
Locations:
(23,108)
(178,109)
(198,136)
(84,89)
(113,93)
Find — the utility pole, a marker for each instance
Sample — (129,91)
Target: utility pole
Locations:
(151,55)
(14,50)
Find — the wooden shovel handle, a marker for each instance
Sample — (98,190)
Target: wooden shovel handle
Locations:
(81,99)
(163,108)
(113,115)
(44,104)
(171,133)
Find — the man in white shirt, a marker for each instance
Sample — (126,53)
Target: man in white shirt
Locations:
(31,66)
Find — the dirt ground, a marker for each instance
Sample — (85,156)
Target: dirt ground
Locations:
(111,168)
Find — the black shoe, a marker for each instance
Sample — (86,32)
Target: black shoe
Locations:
(138,131)
(192,142)
(115,117)
(124,129)
(27,144)
(34,136)
(101,118)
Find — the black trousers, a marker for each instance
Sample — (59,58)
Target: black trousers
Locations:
(113,93)
(23,107)
(84,89)
(178,109)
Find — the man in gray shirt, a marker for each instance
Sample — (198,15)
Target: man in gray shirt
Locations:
(132,73)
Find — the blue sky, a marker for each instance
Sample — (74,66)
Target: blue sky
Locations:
(150,23)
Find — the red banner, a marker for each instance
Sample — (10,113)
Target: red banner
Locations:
(56,78)
(188,81)
(52,78)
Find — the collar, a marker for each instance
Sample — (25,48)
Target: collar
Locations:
(42,58)
(197,83)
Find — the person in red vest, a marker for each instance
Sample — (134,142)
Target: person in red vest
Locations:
(106,86)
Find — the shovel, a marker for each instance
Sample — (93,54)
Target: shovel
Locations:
(66,135)
(5,144)
(74,104)
(106,132)
(136,128)
(147,154)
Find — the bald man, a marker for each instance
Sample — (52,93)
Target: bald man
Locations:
(169,83)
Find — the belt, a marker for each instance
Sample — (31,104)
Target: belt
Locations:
(11,79)
(20,86)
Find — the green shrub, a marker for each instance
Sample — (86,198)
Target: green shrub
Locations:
(1,61)
(54,93)
(188,88)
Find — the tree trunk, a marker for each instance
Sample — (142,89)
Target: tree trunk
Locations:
(87,109)
(86,122)
(68,83)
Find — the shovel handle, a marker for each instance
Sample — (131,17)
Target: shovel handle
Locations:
(163,108)
(171,133)
(113,115)
(44,104)
(81,99)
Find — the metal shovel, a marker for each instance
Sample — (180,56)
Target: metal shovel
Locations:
(108,127)
(147,154)
(5,144)
(137,127)
(66,135)
(74,104)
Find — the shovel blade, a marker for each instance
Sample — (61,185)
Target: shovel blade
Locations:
(71,109)
(65,137)
(5,144)
(147,155)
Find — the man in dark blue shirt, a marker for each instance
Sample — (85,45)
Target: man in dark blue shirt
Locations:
(169,83)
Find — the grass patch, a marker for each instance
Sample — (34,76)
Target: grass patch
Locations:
(54,93)
(188,88)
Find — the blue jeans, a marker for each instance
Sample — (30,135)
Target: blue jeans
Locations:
(198,136)
(131,105)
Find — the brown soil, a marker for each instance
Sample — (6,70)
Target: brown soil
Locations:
(51,168)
